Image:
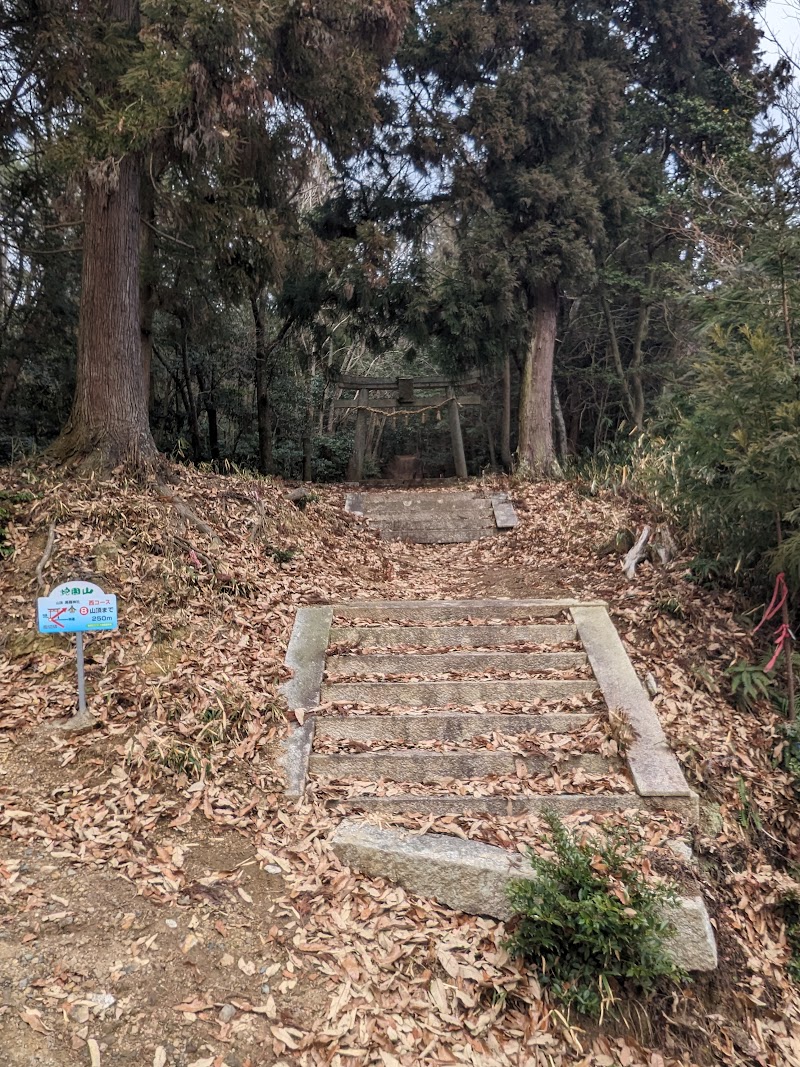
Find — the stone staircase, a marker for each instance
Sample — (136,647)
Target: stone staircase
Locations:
(493,706)
(478,707)
(433,516)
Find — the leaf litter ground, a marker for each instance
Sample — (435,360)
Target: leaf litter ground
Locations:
(163,904)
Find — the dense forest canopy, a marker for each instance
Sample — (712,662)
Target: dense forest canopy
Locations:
(211,214)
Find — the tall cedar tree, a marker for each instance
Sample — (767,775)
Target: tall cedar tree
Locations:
(112,79)
(527,99)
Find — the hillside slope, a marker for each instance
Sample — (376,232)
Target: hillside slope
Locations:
(163,903)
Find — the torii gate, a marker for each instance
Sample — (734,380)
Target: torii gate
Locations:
(406,400)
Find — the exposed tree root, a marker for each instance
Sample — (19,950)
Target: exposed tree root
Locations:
(186,513)
(636,554)
(48,552)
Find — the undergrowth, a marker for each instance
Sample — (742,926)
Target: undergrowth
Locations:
(591,922)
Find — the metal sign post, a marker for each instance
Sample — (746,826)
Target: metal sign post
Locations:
(76,608)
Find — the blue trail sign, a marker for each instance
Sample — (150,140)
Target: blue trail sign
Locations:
(76,608)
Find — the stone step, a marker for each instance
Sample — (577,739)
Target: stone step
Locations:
(408,765)
(443,726)
(430,498)
(457,508)
(485,636)
(454,662)
(455,610)
(534,804)
(476,520)
(439,537)
(465,694)
(473,877)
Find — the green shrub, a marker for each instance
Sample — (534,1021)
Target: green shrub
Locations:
(590,920)
(749,684)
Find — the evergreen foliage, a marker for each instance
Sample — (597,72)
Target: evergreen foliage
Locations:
(591,920)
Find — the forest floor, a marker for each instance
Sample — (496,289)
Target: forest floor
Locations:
(162,903)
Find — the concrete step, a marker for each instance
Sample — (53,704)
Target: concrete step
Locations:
(465,694)
(475,520)
(455,610)
(454,662)
(449,636)
(443,726)
(439,537)
(429,498)
(561,803)
(415,509)
(408,765)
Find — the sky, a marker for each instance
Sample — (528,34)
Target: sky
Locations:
(780,21)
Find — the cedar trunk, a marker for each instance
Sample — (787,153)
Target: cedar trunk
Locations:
(108,424)
(535,449)
(263,408)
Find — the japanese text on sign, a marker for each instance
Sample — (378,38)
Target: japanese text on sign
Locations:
(74,607)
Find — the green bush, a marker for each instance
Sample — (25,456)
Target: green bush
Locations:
(590,920)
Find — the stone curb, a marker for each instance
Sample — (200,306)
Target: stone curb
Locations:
(306,657)
(472,877)
(654,768)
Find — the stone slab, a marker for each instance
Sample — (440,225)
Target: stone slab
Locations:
(486,636)
(407,765)
(561,803)
(464,694)
(472,877)
(504,515)
(306,656)
(450,662)
(456,610)
(442,726)
(654,768)
(296,754)
(354,504)
(440,523)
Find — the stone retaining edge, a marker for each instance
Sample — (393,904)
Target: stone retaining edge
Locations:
(653,765)
(471,877)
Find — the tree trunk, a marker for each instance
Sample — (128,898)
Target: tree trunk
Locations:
(207,400)
(147,289)
(263,410)
(8,380)
(191,405)
(505,426)
(535,449)
(108,424)
(560,425)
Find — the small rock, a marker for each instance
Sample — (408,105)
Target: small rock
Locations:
(78,1013)
(227,1012)
(272,868)
(227,960)
(300,497)
(171,924)
(265,988)
(681,851)
(24,983)
(101,1001)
